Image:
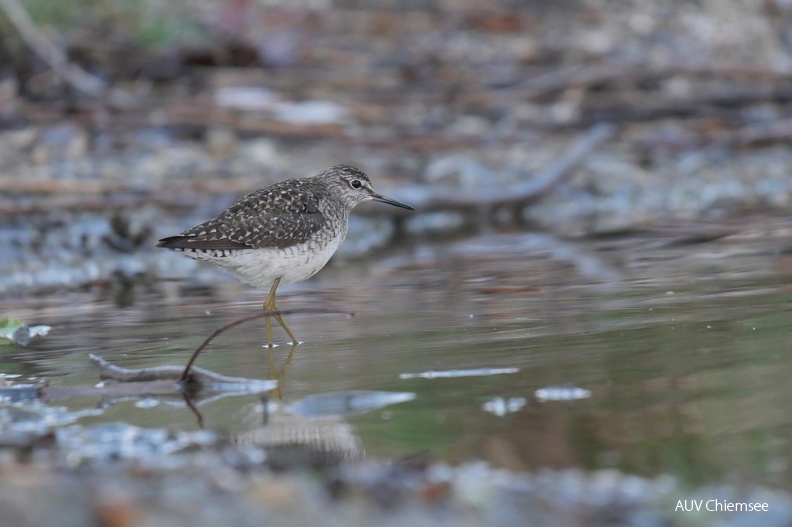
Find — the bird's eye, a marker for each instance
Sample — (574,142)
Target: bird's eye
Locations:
(356,183)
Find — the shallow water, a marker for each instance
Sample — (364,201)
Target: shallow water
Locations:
(684,350)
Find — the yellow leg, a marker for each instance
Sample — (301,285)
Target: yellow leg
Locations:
(268,325)
(269,305)
(283,324)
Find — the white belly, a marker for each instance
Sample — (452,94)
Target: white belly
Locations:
(260,267)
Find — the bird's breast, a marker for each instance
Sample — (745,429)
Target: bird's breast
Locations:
(260,267)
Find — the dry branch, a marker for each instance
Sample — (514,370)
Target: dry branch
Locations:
(768,132)
(434,199)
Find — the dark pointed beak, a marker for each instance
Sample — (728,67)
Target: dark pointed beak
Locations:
(383,199)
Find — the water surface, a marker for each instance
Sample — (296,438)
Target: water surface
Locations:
(685,352)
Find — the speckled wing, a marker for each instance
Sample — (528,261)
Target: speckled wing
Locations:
(277,217)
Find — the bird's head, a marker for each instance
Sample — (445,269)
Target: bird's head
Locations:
(352,186)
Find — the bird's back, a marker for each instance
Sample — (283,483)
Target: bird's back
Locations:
(280,216)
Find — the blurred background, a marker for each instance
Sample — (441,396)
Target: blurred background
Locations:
(603,192)
(131,119)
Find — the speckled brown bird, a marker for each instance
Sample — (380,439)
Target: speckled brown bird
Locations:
(281,234)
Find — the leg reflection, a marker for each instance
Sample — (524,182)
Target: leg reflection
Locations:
(274,374)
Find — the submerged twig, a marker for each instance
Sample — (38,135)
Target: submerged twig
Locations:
(187,368)
(160,382)
(110,371)
(49,53)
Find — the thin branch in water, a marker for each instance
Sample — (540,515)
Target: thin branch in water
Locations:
(198,415)
(243,320)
